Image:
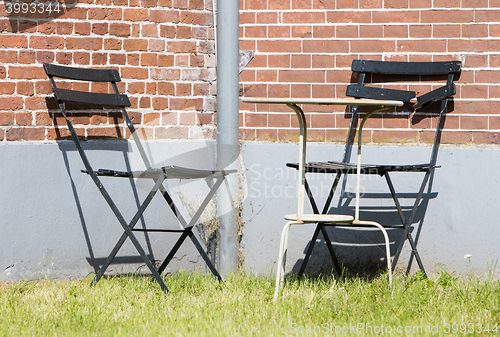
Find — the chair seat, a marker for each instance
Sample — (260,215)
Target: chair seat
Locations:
(172,172)
(350,168)
(325,218)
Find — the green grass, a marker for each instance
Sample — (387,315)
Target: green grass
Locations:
(242,306)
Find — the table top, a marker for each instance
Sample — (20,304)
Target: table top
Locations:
(322,101)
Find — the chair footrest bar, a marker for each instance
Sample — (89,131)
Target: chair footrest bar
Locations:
(160,230)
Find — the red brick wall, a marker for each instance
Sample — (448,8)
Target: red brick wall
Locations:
(304,48)
(163,49)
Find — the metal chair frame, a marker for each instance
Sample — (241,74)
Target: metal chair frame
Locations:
(158,175)
(395,71)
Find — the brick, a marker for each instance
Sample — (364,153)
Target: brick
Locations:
(81,58)
(134,73)
(324,91)
(180,46)
(396,4)
(373,46)
(133,59)
(196,18)
(183,89)
(135,14)
(346,4)
(64,58)
(149,30)
(302,32)
(48,28)
(25,88)
(366,4)
(46,42)
(276,32)
(26,134)
(64,28)
(323,61)
(26,57)
(303,17)
(24,118)
(119,59)
(99,58)
(104,14)
(7,88)
(6,118)
(278,120)
(112,44)
(301,61)
(120,29)
(187,118)
(156,45)
(151,119)
(87,43)
(105,133)
(474,123)
(436,46)
(266,135)
(277,46)
(9,56)
(82,28)
(175,132)
(255,120)
(325,46)
(396,17)
(257,5)
(300,90)
(185,103)
(267,17)
(420,4)
(149,59)
(383,136)
(135,44)
(320,121)
(26,72)
(451,137)
(447,16)
(351,32)
(371,31)
(100,28)
(45,57)
(309,76)
(165,60)
(275,61)
(399,31)
(247,134)
(474,30)
(161,16)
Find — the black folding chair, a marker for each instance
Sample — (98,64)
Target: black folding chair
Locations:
(375,81)
(64,94)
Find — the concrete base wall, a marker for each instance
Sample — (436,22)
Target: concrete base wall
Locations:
(56,224)
(457,217)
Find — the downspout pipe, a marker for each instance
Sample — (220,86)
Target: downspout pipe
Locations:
(228,130)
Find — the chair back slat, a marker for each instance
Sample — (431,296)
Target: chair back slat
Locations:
(91,98)
(407,68)
(81,74)
(381,73)
(361,91)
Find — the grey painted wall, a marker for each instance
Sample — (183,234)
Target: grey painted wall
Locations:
(55,222)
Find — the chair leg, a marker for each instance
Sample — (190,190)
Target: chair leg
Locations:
(280,267)
(387,250)
(387,246)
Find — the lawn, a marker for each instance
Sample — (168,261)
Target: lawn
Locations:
(242,306)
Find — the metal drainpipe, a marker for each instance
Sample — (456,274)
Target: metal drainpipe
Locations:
(228,129)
